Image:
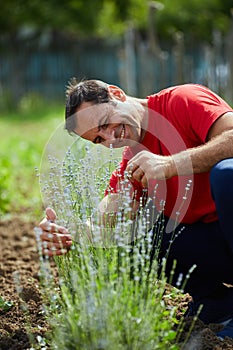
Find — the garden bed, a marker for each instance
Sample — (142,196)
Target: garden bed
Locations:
(24,321)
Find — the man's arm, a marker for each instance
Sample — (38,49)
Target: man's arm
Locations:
(219,145)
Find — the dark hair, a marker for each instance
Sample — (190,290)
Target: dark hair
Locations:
(94,91)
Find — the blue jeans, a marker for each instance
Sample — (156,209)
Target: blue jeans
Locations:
(210,247)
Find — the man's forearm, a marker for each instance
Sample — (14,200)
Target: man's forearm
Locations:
(205,156)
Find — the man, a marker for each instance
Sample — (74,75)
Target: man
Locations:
(181,137)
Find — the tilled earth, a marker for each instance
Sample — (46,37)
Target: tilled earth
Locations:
(24,323)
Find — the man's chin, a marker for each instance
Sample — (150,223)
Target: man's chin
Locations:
(124,143)
(120,143)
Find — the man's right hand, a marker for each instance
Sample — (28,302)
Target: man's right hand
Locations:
(56,239)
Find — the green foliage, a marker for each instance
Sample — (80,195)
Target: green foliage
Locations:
(23,137)
(110,293)
(110,300)
(31,103)
(5,305)
(115,17)
(70,15)
(197,18)
(5,184)
(6,101)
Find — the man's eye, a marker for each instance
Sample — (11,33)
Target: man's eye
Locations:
(98,139)
(104,126)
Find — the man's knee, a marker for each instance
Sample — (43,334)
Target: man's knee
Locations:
(221,176)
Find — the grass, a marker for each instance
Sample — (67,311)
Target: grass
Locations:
(23,137)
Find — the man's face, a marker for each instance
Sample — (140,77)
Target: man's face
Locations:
(114,123)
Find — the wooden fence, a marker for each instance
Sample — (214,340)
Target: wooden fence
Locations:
(140,67)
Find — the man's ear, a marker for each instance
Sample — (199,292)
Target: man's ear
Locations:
(116,92)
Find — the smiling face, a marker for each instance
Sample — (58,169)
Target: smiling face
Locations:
(117,123)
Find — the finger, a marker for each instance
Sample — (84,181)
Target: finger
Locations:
(144,181)
(138,174)
(50,214)
(55,245)
(50,253)
(56,238)
(54,228)
(135,159)
(46,225)
(131,168)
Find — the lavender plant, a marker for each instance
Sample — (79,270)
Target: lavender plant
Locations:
(110,288)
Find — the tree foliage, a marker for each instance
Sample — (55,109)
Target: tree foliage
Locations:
(106,18)
(196,18)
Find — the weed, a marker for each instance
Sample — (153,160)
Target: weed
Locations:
(5,305)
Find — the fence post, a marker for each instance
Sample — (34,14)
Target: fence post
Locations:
(130,62)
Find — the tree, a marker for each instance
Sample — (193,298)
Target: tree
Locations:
(196,18)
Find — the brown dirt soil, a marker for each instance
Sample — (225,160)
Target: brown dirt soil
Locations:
(26,321)
(19,281)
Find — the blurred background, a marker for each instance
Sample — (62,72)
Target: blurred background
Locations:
(142,46)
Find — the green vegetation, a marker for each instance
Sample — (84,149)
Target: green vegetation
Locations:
(5,305)
(111,285)
(23,136)
(110,299)
(106,18)
(109,293)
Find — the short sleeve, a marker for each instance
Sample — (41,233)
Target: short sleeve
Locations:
(198,108)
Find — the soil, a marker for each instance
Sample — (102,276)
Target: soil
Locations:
(25,323)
